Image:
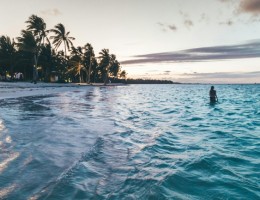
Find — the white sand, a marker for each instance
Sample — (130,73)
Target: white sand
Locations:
(23,89)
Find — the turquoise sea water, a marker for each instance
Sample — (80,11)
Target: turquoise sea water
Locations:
(132,142)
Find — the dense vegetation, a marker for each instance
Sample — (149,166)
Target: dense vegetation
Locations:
(149,81)
(40,54)
(142,81)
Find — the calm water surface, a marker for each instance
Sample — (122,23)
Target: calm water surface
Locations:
(132,142)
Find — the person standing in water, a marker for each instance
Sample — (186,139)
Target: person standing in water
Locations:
(213,95)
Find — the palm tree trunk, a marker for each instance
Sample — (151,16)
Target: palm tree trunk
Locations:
(107,72)
(79,73)
(11,68)
(89,70)
(35,73)
(106,78)
(86,75)
(65,49)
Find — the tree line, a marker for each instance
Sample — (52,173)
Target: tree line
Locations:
(39,54)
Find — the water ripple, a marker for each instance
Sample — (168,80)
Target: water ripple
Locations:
(133,142)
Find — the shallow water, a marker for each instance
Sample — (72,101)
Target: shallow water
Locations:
(132,142)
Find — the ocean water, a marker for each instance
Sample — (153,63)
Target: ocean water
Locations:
(132,142)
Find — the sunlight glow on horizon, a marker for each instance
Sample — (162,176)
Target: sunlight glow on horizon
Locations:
(236,71)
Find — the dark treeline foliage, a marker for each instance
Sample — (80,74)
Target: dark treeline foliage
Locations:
(49,55)
(142,81)
(148,81)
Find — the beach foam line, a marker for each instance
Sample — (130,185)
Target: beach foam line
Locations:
(24,89)
(4,192)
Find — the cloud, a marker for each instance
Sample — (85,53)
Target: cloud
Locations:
(224,0)
(184,15)
(204,17)
(250,6)
(160,24)
(52,12)
(221,77)
(245,6)
(188,23)
(167,72)
(228,23)
(166,27)
(247,50)
(194,77)
(172,27)
(224,75)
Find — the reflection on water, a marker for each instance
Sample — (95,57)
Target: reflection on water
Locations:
(10,158)
(7,156)
(5,191)
(1,125)
(132,142)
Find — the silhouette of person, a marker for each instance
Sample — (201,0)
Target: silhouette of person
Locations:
(213,95)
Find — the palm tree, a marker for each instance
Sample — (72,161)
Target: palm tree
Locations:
(76,62)
(47,61)
(60,65)
(27,42)
(33,39)
(109,65)
(115,67)
(89,57)
(8,53)
(38,27)
(123,74)
(104,64)
(94,69)
(61,36)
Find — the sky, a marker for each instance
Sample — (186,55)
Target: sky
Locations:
(188,41)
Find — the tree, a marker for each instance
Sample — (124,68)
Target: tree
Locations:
(114,66)
(109,66)
(47,61)
(8,53)
(75,62)
(123,74)
(82,59)
(104,64)
(60,64)
(61,36)
(38,27)
(33,39)
(88,60)
(94,69)
(27,42)
(33,51)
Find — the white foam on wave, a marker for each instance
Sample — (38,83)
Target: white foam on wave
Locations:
(6,191)
(22,89)
(4,164)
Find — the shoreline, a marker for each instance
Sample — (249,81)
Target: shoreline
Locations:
(9,90)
